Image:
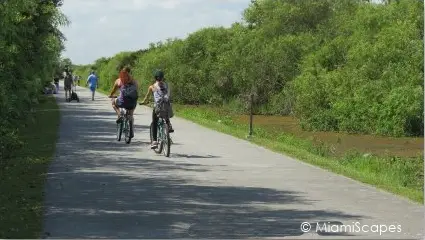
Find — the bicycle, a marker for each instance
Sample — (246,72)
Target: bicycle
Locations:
(125,125)
(163,137)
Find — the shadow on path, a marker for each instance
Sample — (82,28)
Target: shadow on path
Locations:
(100,188)
(117,203)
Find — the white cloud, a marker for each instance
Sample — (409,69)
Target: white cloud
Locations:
(101,28)
(140,4)
(169,4)
(103,19)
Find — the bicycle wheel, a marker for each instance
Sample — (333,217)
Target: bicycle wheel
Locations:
(166,141)
(119,131)
(160,135)
(127,129)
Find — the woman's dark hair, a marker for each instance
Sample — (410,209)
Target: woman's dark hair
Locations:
(158,75)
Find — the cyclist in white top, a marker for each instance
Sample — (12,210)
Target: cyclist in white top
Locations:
(160,92)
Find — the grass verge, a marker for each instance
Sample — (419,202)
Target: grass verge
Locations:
(402,176)
(23,176)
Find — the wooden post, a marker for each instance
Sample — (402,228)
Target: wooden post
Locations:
(251,113)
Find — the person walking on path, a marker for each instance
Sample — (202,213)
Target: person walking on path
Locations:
(92,81)
(56,81)
(67,83)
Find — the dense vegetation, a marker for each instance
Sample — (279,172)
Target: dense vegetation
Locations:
(30,47)
(340,65)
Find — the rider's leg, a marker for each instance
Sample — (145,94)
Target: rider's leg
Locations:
(130,114)
(93,90)
(154,130)
(170,127)
(116,108)
(131,120)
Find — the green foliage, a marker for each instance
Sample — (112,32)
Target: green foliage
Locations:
(341,65)
(30,47)
(23,176)
(370,81)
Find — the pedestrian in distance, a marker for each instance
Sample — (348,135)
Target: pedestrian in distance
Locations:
(92,81)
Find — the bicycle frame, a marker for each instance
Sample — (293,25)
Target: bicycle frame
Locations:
(160,129)
(163,138)
(161,124)
(124,126)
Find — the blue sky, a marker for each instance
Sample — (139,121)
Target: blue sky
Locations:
(102,28)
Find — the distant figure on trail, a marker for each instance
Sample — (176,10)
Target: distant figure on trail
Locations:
(67,83)
(56,81)
(92,81)
(75,79)
(50,88)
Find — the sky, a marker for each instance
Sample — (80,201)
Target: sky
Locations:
(103,28)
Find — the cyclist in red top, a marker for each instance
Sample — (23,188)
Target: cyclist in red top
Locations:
(128,94)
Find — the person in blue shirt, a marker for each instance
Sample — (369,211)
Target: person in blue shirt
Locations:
(92,81)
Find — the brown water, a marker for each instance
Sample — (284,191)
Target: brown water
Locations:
(341,142)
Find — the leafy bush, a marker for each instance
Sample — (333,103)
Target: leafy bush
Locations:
(30,47)
(341,65)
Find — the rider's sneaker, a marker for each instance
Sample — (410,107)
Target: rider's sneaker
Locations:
(154,145)
(170,128)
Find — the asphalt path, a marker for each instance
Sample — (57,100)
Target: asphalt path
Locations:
(212,186)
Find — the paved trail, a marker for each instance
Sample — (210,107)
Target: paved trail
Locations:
(213,186)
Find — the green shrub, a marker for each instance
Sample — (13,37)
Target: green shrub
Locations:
(337,65)
(30,47)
